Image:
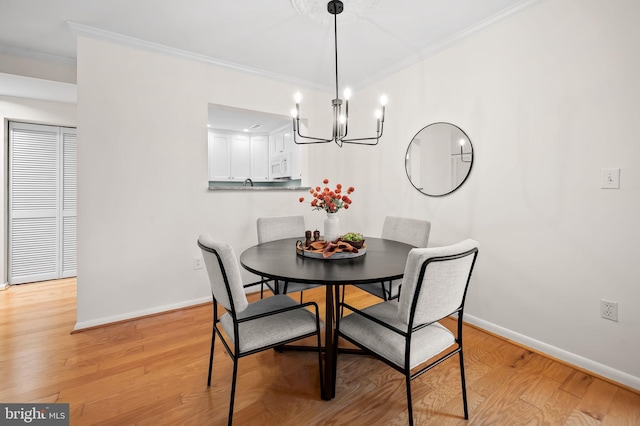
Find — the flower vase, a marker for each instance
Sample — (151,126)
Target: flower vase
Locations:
(331,227)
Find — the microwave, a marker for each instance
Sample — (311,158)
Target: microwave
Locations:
(280,166)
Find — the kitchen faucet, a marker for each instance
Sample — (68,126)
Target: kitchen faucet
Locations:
(247,180)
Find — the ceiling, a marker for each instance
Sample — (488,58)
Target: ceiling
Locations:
(272,37)
(223,117)
(290,40)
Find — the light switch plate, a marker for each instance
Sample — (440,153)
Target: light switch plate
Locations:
(610,178)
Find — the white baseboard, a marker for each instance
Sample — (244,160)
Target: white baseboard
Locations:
(4,286)
(137,314)
(568,357)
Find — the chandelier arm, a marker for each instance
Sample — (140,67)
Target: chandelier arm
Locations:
(296,132)
(335,130)
(359,141)
(462,154)
(310,138)
(311,142)
(379,133)
(346,119)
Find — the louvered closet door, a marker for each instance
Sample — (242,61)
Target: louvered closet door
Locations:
(69,191)
(41,213)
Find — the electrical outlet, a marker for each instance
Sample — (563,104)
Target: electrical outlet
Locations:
(609,310)
(197,263)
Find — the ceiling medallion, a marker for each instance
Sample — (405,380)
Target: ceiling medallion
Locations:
(316,10)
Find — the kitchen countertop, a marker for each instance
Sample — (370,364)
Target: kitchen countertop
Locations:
(259,188)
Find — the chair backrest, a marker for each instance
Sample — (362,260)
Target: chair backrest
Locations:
(224,273)
(435,281)
(405,230)
(279,227)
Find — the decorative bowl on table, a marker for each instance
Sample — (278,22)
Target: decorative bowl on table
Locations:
(355,239)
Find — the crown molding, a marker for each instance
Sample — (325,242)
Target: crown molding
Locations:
(100,34)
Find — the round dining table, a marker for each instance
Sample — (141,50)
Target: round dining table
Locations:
(384,260)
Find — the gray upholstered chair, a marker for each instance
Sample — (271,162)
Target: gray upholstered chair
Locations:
(405,230)
(277,228)
(405,333)
(251,328)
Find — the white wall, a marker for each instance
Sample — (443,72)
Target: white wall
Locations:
(29,111)
(142,178)
(547,97)
(45,67)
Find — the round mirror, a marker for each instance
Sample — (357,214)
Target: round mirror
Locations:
(439,159)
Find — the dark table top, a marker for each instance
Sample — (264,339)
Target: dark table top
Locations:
(383,261)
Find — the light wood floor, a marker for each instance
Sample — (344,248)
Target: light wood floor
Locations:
(152,371)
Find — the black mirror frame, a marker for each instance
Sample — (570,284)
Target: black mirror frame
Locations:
(470,166)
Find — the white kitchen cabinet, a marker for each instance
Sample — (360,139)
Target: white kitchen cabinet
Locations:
(259,158)
(236,157)
(229,157)
(287,140)
(276,143)
(296,162)
(285,155)
(219,152)
(240,153)
(282,141)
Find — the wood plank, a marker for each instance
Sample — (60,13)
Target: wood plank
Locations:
(624,409)
(597,399)
(152,371)
(578,418)
(577,383)
(559,407)
(540,391)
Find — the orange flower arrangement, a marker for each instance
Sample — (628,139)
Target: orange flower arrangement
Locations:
(329,200)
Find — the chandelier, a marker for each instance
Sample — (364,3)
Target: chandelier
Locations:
(340,107)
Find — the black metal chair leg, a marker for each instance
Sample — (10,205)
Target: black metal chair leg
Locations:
(213,342)
(409,404)
(464,387)
(320,354)
(385,296)
(233,390)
